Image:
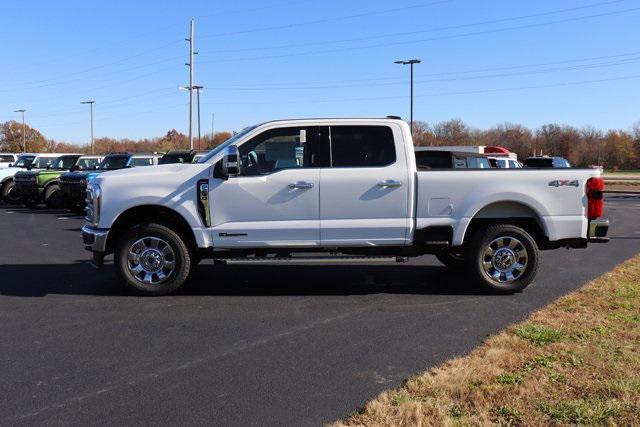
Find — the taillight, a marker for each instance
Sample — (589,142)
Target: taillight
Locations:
(595,207)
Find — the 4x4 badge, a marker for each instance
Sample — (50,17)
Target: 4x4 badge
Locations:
(564,182)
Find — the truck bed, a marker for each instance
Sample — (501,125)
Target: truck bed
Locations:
(454,197)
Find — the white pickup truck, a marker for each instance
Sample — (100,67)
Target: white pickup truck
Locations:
(341,188)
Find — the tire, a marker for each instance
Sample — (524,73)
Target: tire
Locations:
(161,263)
(503,259)
(7,190)
(53,197)
(453,260)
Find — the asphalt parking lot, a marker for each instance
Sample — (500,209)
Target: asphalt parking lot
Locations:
(242,345)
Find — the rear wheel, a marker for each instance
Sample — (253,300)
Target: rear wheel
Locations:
(503,258)
(53,197)
(153,259)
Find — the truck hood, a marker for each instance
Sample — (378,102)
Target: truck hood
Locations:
(150,176)
(9,172)
(154,172)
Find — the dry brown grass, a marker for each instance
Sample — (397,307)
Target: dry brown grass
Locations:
(576,361)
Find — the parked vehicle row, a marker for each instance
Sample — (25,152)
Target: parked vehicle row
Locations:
(60,180)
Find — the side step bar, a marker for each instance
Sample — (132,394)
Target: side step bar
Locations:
(310,260)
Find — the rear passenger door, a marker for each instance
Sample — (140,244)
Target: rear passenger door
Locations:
(364,194)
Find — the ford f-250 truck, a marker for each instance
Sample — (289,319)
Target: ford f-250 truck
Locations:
(346,187)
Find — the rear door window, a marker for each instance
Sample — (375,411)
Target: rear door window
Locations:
(361,146)
(6,159)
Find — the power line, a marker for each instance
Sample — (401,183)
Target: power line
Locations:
(431,30)
(438,80)
(378,98)
(325,20)
(408,42)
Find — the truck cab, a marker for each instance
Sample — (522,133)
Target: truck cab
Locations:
(349,188)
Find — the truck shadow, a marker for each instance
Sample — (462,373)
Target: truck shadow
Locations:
(242,280)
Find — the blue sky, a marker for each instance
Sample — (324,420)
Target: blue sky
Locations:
(484,61)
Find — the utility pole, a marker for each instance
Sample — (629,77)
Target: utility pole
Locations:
(190,64)
(90,102)
(24,130)
(410,63)
(197,88)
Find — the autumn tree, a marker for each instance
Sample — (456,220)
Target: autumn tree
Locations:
(11,137)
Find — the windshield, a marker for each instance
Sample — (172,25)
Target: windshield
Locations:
(114,162)
(42,162)
(87,163)
(175,158)
(64,162)
(227,143)
(23,161)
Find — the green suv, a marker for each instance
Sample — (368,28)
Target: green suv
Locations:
(35,187)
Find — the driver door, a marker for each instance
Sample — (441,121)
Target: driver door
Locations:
(275,201)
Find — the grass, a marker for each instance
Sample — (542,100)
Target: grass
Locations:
(575,362)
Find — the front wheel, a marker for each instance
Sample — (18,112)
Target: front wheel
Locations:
(53,197)
(9,193)
(153,259)
(503,258)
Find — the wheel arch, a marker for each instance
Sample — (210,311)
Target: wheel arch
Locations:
(150,213)
(511,212)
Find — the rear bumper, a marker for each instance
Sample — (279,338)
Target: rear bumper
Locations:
(598,229)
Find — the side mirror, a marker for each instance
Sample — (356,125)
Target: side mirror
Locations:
(10,165)
(231,161)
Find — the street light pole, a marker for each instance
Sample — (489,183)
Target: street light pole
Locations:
(24,130)
(410,63)
(90,102)
(197,88)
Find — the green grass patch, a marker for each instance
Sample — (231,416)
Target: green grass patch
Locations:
(537,334)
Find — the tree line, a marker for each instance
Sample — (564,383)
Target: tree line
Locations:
(613,149)
(11,142)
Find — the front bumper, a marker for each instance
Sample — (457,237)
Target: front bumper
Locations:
(28,191)
(95,239)
(74,193)
(598,229)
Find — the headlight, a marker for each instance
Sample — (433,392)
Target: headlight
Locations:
(94,199)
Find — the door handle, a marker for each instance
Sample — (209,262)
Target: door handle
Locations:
(301,185)
(389,183)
